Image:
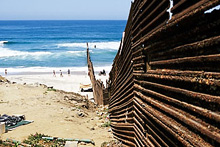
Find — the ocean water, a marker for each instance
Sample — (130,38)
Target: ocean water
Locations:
(42,46)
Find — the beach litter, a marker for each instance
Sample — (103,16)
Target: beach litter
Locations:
(14,121)
(71,144)
(40,140)
(69,139)
(113,143)
(86,87)
(2,128)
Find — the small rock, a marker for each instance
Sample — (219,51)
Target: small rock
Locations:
(83,105)
(66,98)
(82,143)
(92,129)
(79,110)
(80,114)
(74,102)
(73,109)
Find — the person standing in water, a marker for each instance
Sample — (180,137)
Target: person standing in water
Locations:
(54,73)
(61,74)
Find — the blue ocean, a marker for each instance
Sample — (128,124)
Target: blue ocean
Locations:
(41,46)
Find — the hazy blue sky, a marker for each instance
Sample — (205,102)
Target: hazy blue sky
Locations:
(64,9)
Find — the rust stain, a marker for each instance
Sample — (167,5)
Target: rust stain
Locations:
(165,80)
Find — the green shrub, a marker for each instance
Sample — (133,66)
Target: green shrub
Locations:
(106,124)
(51,89)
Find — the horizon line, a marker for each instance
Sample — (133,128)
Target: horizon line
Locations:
(63,19)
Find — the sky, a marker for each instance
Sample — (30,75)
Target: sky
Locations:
(64,9)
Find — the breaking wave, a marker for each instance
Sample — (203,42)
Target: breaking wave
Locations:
(5,52)
(77,52)
(3,42)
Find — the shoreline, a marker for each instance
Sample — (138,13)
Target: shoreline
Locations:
(68,83)
(49,70)
(45,73)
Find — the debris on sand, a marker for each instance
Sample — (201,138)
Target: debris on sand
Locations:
(113,143)
(4,80)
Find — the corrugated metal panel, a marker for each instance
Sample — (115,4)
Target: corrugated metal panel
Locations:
(165,84)
(121,91)
(99,91)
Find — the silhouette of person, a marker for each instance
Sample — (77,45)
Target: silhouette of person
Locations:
(54,73)
(61,74)
(6,72)
(68,72)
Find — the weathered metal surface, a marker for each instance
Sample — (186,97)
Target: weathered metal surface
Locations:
(165,79)
(100,93)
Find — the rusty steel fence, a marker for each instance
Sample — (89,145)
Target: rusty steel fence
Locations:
(100,93)
(165,79)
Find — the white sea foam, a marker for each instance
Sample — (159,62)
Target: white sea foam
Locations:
(2,42)
(99,45)
(77,53)
(5,52)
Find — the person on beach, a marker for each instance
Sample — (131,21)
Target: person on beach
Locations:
(102,73)
(54,73)
(6,72)
(61,74)
(68,72)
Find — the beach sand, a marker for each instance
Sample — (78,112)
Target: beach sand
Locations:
(67,83)
(53,112)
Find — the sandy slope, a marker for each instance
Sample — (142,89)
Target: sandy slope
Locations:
(53,114)
(67,83)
